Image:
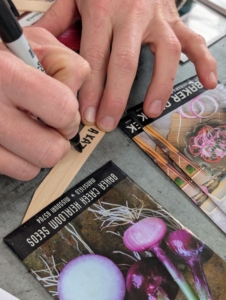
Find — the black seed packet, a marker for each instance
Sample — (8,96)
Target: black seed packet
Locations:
(108,239)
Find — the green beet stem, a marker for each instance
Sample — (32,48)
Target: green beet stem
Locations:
(175,273)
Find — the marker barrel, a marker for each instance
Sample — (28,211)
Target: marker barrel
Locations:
(22,50)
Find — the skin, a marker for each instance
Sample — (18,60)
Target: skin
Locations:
(113,32)
(26,144)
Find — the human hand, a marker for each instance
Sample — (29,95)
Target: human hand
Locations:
(26,144)
(112,34)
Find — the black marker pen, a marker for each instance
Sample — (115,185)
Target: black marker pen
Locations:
(12,36)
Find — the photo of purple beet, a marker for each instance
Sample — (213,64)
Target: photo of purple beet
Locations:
(149,279)
(184,245)
(147,234)
(118,248)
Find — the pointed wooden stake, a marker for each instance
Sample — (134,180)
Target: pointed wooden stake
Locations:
(58,179)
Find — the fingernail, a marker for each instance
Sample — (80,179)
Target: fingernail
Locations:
(90,114)
(107,123)
(155,107)
(212,77)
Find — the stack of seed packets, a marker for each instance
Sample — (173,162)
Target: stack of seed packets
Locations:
(188,142)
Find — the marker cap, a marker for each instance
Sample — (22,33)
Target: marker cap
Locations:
(10,29)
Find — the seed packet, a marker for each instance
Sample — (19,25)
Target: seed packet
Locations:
(108,239)
(218,5)
(174,172)
(6,296)
(205,21)
(190,132)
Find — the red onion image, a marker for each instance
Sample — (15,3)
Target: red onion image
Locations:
(188,248)
(147,234)
(149,279)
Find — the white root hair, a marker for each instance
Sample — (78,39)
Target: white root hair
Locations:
(112,215)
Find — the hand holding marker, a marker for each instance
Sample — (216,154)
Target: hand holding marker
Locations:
(11,34)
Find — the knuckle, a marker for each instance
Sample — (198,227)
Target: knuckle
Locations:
(72,130)
(20,169)
(84,68)
(51,153)
(209,60)
(97,13)
(126,60)
(96,57)
(174,45)
(75,76)
(117,105)
(168,38)
(28,172)
(198,39)
(167,88)
(88,98)
(162,25)
(67,105)
(176,22)
(138,8)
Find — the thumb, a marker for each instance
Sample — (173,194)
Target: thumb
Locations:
(59,17)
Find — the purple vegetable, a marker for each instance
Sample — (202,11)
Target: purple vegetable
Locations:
(93,277)
(185,245)
(149,279)
(147,234)
(209,143)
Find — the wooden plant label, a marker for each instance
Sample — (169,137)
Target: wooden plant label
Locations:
(58,179)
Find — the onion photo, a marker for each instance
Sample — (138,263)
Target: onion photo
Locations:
(91,276)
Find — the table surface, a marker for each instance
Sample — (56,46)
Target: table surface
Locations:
(115,146)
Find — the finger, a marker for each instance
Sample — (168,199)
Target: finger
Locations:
(167,55)
(120,75)
(52,101)
(95,48)
(39,36)
(69,68)
(58,61)
(59,17)
(16,167)
(34,142)
(194,46)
